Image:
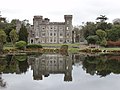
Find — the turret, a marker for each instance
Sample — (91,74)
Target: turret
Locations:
(68,19)
(68,29)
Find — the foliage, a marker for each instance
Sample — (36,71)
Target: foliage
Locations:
(34,46)
(21,44)
(9,27)
(2,39)
(103,42)
(23,34)
(116,21)
(102,37)
(114,33)
(89,29)
(21,57)
(102,34)
(13,36)
(102,18)
(102,65)
(64,47)
(2,36)
(103,25)
(92,39)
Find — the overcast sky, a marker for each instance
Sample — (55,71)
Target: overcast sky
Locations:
(82,10)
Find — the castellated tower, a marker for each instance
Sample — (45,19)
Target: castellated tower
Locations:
(37,20)
(68,28)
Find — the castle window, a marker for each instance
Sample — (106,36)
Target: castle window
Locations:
(67,34)
(54,40)
(67,22)
(50,61)
(43,34)
(67,28)
(68,40)
(54,34)
(61,28)
(61,34)
(31,41)
(50,34)
(50,40)
(61,40)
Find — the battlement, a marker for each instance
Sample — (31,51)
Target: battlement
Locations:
(68,16)
(38,17)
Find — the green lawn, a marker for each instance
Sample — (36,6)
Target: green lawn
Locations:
(73,48)
(113,48)
(8,46)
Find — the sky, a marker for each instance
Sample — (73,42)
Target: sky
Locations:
(82,10)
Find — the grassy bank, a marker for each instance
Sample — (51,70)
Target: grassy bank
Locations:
(72,48)
(59,45)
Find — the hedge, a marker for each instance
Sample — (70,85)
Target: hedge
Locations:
(34,46)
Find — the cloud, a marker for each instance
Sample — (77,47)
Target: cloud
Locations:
(82,10)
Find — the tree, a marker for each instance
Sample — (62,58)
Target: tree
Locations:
(92,39)
(102,18)
(103,42)
(9,27)
(89,29)
(116,21)
(23,34)
(13,36)
(102,37)
(103,25)
(101,34)
(114,33)
(2,40)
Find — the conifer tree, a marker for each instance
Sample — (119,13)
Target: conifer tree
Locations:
(23,34)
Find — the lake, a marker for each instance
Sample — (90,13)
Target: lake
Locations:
(60,72)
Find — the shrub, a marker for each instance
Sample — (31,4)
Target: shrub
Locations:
(33,46)
(21,44)
(113,43)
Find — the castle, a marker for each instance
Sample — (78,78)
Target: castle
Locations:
(44,31)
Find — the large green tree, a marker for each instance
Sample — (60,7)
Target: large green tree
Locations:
(2,40)
(114,33)
(103,25)
(102,37)
(101,33)
(23,34)
(13,36)
(89,29)
(92,39)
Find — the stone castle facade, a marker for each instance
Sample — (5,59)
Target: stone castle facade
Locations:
(48,64)
(44,31)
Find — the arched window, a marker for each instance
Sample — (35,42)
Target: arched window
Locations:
(31,41)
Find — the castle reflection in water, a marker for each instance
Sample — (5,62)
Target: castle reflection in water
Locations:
(41,65)
(47,64)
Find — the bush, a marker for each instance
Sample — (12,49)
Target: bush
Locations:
(33,46)
(113,43)
(21,44)
(64,48)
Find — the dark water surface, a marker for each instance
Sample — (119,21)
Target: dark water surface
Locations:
(60,72)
